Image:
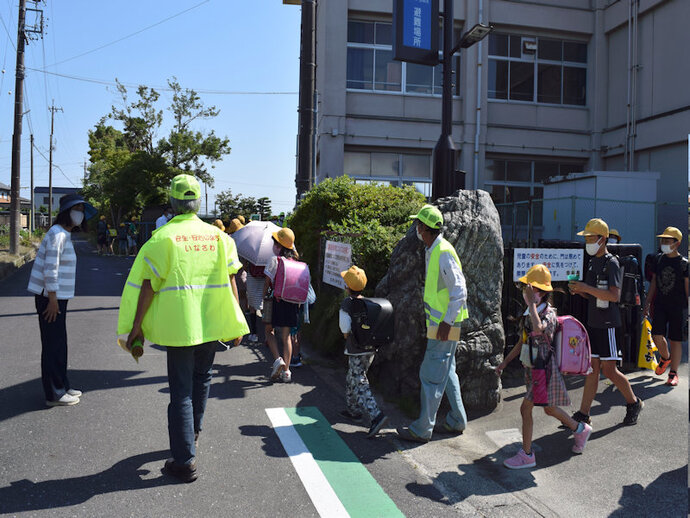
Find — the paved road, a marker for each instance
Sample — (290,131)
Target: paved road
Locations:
(103,456)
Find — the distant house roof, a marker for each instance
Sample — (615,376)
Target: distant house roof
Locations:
(57,190)
(5,187)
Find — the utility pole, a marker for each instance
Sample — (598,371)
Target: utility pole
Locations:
(23,34)
(206,189)
(84,182)
(52,109)
(32,223)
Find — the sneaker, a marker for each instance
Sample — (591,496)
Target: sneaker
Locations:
(286,376)
(65,400)
(277,369)
(183,472)
(445,428)
(356,418)
(521,460)
(581,438)
(672,379)
(253,338)
(663,365)
(408,435)
(376,425)
(74,392)
(296,361)
(580,418)
(632,412)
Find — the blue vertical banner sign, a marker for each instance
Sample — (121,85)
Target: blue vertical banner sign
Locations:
(415,27)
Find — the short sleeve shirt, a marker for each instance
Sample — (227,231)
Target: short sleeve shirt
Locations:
(603,318)
(671,273)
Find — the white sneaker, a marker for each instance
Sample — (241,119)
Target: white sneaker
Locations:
(253,338)
(278,367)
(74,392)
(286,376)
(65,400)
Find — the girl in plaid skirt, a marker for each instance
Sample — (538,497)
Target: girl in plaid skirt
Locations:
(539,327)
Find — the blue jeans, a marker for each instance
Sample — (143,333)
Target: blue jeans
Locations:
(438,375)
(189,378)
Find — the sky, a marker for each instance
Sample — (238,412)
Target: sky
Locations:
(217,47)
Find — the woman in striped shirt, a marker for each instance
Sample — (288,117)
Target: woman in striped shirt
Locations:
(52,282)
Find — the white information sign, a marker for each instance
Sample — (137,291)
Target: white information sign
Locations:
(338,258)
(561,262)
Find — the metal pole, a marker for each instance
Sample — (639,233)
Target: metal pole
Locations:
(32,223)
(444,152)
(15,204)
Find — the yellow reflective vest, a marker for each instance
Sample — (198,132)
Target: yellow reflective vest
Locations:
(189,264)
(436,296)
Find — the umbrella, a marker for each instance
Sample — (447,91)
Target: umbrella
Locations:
(255,243)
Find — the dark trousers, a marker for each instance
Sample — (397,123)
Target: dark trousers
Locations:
(53,350)
(189,377)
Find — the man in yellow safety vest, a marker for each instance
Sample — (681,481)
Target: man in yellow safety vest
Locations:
(445,305)
(181,293)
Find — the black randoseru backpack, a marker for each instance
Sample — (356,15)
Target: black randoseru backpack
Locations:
(632,285)
(372,323)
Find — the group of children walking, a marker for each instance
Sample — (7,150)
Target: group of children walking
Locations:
(601,286)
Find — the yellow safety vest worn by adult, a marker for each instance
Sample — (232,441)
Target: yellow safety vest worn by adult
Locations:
(189,264)
(436,295)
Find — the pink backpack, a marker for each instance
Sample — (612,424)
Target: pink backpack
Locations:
(292,281)
(571,343)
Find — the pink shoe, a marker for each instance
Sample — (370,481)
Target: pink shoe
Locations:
(581,438)
(520,460)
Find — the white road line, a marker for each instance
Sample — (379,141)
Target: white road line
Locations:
(320,491)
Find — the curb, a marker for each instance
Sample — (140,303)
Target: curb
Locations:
(9,267)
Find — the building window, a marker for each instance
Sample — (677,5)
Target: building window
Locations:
(390,168)
(370,64)
(511,183)
(541,70)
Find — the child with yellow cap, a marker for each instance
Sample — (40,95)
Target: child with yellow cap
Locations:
(602,288)
(539,327)
(358,394)
(669,291)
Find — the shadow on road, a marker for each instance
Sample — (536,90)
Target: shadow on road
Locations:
(665,496)
(28,396)
(125,475)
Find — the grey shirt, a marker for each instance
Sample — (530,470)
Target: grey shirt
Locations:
(603,318)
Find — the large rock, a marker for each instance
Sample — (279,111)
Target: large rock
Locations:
(472,226)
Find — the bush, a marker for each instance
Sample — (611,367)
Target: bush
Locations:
(371,217)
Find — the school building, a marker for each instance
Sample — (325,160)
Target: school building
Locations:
(559,87)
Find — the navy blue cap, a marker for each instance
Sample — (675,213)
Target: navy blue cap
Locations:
(70,200)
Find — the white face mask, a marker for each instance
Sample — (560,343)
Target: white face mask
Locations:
(592,248)
(666,249)
(613,241)
(77,217)
(419,236)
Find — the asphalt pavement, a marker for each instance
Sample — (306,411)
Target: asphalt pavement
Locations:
(103,457)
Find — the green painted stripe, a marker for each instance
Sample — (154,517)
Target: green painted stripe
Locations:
(353,484)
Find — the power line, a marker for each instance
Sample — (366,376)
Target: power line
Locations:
(54,165)
(132,34)
(8,34)
(160,88)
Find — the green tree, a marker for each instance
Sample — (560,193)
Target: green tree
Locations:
(130,168)
(227,204)
(263,207)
